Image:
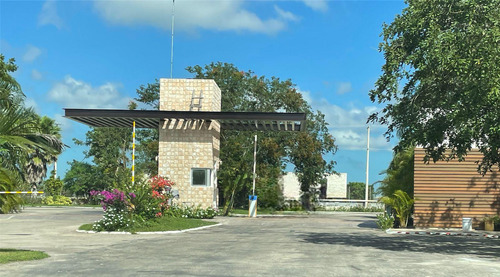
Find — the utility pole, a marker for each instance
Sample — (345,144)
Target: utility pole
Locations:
(367,166)
(172,43)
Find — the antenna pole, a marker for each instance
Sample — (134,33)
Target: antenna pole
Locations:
(172,45)
(367,166)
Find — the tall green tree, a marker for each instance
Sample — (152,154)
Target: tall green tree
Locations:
(38,159)
(147,139)
(109,149)
(245,91)
(356,190)
(399,174)
(20,137)
(80,179)
(441,78)
(307,150)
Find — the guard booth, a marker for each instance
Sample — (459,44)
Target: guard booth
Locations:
(190,121)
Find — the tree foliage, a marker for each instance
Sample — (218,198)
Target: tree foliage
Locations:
(109,149)
(82,178)
(399,174)
(245,91)
(402,205)
(23,142)
(356,190)
(441,78)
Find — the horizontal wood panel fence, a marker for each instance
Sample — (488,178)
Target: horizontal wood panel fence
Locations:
(445,192)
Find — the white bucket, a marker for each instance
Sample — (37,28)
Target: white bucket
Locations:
(466,224)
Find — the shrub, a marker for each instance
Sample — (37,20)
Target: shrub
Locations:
(401,203)
(113,220)
(53,186)
(191,212)
(292,205)
(115,199)
(161,188)
(385,221)
(144,205)
(58,200)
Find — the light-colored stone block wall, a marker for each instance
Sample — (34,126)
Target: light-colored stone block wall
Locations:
(336,186)
(291,186)
(176,94)
(187,144)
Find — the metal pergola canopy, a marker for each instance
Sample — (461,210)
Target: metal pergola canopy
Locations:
(243,121)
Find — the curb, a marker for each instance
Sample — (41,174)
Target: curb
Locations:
(150,233)
(267,215)
(392,232)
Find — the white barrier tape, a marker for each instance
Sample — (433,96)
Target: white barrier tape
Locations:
(21,192)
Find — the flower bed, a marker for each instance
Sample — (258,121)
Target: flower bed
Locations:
(149,202)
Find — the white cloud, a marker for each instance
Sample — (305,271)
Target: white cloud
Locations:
(49,16)
(65,123)
(31,54)
(72,93)
(344,87)
(285,15)
(192,15)
(36,75)
(317,5)
(348,125)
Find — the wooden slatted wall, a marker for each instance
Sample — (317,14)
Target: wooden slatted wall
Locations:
(446,192)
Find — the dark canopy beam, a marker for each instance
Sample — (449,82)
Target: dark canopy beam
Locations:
(152,119)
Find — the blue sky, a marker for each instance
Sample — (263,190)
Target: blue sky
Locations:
(95,54)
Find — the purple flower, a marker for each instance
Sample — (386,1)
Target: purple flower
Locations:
(132,195)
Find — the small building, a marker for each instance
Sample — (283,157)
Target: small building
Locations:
(336,186)
(190,121)
(447,191)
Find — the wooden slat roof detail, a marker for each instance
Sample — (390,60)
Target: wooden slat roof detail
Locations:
(243,121)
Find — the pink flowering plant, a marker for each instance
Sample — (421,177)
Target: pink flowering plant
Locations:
(150,200)
(115,198)
(117,208)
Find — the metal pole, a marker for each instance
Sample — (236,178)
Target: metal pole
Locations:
(133,153)
(254,163)
(367,166)
(172,42)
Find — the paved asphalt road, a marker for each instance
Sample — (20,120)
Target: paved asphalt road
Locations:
(341,244)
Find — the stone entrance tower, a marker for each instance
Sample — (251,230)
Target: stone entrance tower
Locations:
(189,149)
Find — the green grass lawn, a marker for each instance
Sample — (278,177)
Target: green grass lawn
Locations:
(15,255)
(162,224)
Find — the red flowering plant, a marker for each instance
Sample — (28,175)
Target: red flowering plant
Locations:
(162,191)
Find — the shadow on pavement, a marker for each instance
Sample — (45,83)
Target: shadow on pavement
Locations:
(368,224)
(488,248)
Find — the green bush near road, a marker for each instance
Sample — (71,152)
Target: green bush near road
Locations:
(385,221)
(58,200)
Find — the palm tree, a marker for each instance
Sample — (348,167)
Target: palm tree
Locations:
(401,203)
(399,174)
(21,138)
(36,167)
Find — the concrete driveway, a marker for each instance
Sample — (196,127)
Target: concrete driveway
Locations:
(341,244)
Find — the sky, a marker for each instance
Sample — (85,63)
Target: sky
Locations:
(95,54)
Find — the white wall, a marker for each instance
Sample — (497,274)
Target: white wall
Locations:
(336,186)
